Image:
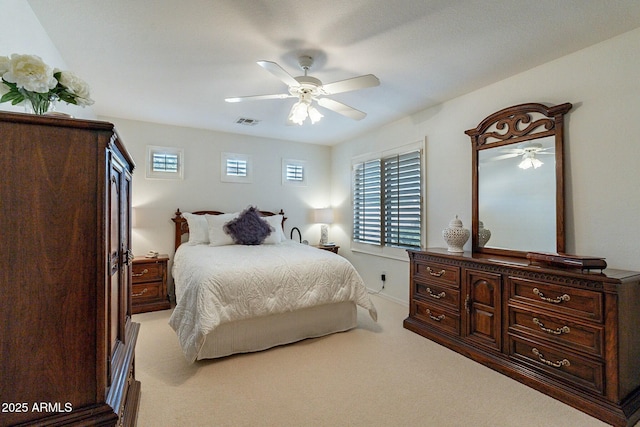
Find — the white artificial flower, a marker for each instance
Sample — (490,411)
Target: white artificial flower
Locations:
(77,87)
(4,65)
(3,89)
(30,73)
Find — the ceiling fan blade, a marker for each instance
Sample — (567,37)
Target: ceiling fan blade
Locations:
(502,157)
(258,97)
(279,72)
(341,108)
(362,82)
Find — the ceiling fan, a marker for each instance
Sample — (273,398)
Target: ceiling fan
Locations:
(308,89)
(528,153)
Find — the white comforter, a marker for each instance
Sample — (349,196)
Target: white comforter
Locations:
(216,285)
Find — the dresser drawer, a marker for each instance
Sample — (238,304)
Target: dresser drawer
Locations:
(145,291)
(562,299)
(437,273)
(147,272)
(563,365)
(437,317)
(436,293)
(578,336)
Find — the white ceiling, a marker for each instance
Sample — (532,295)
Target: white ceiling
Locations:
(174,61)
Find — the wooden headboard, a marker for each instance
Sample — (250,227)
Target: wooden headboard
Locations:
(182,227)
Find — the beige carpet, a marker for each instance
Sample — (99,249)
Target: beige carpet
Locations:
(376,375)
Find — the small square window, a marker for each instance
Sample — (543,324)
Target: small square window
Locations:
(294,172)
(235,168)
(164,162)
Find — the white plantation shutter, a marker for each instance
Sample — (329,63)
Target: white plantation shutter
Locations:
(236,167)
(387,201)
(295,173)
(164,162)
(367,203)
(402,200)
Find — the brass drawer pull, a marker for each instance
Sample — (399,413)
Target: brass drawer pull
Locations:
(144,291)
(557,300)
(434,273)
(436,296)
(558,364)
(145,271)
(436,318)
(558,331)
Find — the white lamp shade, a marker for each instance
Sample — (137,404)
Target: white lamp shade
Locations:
(323,216)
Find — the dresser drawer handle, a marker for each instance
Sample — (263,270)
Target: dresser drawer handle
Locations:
(558,331)
(142,273)
(139,294)
(436,296)
(436,318)
(434,273)
(558,364)
(557,300)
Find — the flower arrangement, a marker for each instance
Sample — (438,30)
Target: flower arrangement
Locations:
(27,79)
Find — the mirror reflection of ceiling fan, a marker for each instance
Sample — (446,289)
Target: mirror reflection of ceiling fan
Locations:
(309,89)
(529,155)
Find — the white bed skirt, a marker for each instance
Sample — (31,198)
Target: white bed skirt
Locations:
(261,333)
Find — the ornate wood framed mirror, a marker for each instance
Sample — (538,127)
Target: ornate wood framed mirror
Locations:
(518,180)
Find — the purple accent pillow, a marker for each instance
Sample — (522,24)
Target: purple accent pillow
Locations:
(248,228)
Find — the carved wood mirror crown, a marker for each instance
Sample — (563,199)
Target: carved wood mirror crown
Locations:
(518,180)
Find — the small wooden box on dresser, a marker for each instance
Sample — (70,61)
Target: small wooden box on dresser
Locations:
(572,335)
(66,336)
(150,284)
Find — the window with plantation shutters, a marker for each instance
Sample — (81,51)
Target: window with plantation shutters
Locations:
(164,162)
(387,200)
(294,172)
(235,167)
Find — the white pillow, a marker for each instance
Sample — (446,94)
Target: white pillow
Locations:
(198,229)
(215,229)
(277,235)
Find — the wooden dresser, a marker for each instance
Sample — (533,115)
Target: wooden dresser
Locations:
(572,335)
(149,291)
(67,340)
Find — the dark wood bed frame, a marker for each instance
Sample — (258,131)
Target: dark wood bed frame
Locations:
(182,227)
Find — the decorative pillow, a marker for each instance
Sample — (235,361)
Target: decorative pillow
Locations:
(277,235)
(248,228)
(198,229)
(217,235)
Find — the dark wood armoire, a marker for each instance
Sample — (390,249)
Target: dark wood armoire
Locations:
(66,336)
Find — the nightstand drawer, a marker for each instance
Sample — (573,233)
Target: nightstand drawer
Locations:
(144,291)
(147,271)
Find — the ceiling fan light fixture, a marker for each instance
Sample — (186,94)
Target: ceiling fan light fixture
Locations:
(299,112)
(314,114)
(530,160)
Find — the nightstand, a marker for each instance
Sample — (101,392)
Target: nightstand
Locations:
(149,284)
(333,248)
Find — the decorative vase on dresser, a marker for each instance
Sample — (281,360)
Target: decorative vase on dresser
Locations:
(68,342)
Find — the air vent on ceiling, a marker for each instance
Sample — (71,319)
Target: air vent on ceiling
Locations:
(247,122)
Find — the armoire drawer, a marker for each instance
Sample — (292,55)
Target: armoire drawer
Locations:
(438,273)
(561,364)
(568,301)
(587,338)
(437,317)
(433,292)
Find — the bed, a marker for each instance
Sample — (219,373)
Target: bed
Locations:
(237,298)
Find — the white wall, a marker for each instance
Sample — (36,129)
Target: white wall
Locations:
(602,152)
(22,33)
(156,200)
